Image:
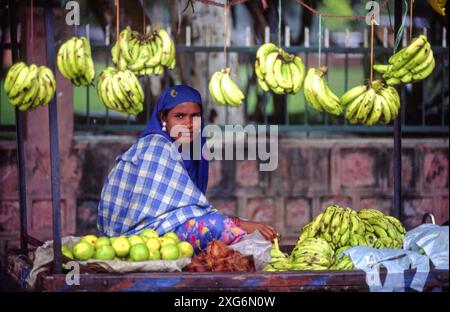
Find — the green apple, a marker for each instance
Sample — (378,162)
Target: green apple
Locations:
(121,246)
(169,252)
(173,236)
(102,241)
(105,252)
(154,254)
(66,252)
(83,251)
(186,249)
(139,252)
(91,239)
(149,233)
(135,239)
(166,241)
(153,243)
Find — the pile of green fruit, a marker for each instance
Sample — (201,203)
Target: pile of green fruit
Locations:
(323,240)
(371,104)
(29,87)
(279,260)
(75,62)
(144,54)
(279,71)
(145,246)
(411,64)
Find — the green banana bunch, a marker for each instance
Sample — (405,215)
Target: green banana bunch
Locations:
(120,90)
(312,254)
(343,263)
(280,261)
(279,71)
(224,90)
(75,62)
(144,54)
(387,231)
(29,87)
(318,93)
(413,63)
(370,105)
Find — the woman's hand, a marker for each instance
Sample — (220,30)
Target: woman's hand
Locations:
(267,231)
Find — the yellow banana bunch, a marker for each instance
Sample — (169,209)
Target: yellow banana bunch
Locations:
(413,63)
(279,71)
(224,90)
(312,254)
(75,62)
(370,105)
(144,54)
(318,93)
(438,5)
(29,87)
(120,90)
(280,261)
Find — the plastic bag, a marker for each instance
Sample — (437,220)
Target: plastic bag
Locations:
(256,245)
(433,239)
(396,261)
(44,257)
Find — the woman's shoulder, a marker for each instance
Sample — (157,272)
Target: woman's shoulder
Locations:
(152,145)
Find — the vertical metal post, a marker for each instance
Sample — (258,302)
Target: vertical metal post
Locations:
(19,133)
(397,151)
(54,148)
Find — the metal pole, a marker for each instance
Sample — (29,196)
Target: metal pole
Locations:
(397,151)
(54,148)
(19,136)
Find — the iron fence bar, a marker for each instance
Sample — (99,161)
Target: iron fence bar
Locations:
(442,88)
(54,147)
(19,136)
(397,150)
(346,80)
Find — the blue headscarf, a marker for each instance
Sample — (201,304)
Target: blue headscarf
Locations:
(171,97)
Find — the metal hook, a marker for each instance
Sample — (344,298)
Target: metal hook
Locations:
(428,214)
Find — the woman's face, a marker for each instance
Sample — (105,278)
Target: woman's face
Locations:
(183,122)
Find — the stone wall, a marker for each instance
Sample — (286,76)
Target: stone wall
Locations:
(311,174)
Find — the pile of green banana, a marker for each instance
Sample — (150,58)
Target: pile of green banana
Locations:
(384,231)
(318,93)
(279,71)
(144,54)
(75,62)
(371,104)
(411,64)
(280,260)
(121,91)
(29,87)
(224,90)
(343,262)
(312,254)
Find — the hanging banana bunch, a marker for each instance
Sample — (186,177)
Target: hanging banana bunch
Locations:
(438,5)
(318,93)
(29,87)
(278,71)
(413,63)
(75,62)
(376,103)
(224,90)
(121,91)
(144,54)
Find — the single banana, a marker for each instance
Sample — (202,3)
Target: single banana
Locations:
(215,88)
(231,92)
(352,94)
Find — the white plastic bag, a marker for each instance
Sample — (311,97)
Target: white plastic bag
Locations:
(433,239)
(256,245)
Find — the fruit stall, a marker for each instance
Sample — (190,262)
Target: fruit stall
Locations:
(319,261)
